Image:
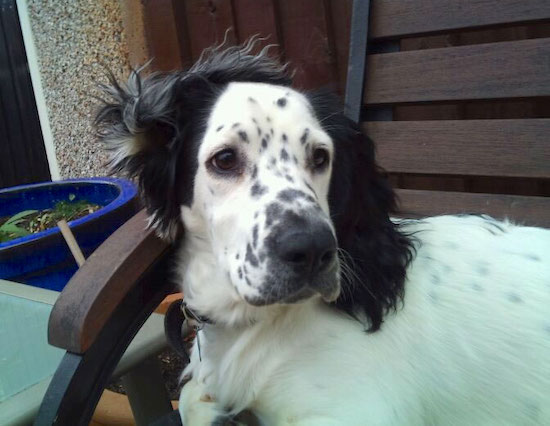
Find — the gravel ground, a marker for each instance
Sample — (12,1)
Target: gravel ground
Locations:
(75,40)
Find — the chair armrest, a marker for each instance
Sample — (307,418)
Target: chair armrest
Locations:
(107,276)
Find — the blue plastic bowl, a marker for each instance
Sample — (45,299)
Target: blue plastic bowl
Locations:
(43,259)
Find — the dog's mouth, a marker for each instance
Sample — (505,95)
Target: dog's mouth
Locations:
(285,293)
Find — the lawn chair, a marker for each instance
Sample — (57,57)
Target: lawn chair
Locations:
(111,296)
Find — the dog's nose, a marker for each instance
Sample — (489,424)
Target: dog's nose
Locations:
(308,251)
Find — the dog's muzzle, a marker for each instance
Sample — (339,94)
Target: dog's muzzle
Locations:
(303,262)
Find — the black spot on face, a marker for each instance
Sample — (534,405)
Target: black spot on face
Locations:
(255,236)
(248,281)
(259,130)
(284,155)
(219,128)
(235,125)
(294,159)
(240,273)
(273,161)
(262,256)
(250,256)
(289,195)
(514,298)
(251,99)
(254,174)
(237,256)
(309,187)
(272,212)
(257,190)
(284,138)
(303,138)
(281,102)
(271,131)
(264,143)
(242,134)
(289,178)
(256,215)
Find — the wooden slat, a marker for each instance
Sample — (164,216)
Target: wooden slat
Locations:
(340,16)
(207,23)
(161,32)
(533,211)
(257,17)
(305,38)
(516,148)
(399,18)
(485,71)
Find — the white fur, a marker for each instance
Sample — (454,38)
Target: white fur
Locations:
(470,346)
(219,224)
(472,349)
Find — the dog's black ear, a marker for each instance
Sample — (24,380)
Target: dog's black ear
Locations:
(152,125)
(145,124)
(373,251)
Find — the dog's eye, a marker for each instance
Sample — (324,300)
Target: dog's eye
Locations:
(225,160)
(320,158)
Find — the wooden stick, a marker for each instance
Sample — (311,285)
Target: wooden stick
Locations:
(71,242)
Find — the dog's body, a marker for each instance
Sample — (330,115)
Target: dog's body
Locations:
(471,345)
(322,309)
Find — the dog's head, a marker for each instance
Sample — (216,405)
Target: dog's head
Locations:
(268,183)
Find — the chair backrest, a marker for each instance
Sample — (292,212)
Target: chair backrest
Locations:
(385,85)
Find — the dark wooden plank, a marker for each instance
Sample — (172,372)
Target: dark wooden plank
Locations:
(304,35)
(485,71)
(399,18)
(161,33)
(257,17)
(521,209)
(94,292)
(340,16)
(207,24)
(516,148)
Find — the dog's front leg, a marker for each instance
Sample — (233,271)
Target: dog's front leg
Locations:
(197,407)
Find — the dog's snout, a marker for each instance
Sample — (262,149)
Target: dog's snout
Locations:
(308,251)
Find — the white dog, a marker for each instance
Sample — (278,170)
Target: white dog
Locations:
(318,309)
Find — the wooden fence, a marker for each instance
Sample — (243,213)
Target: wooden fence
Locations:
(313,35)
